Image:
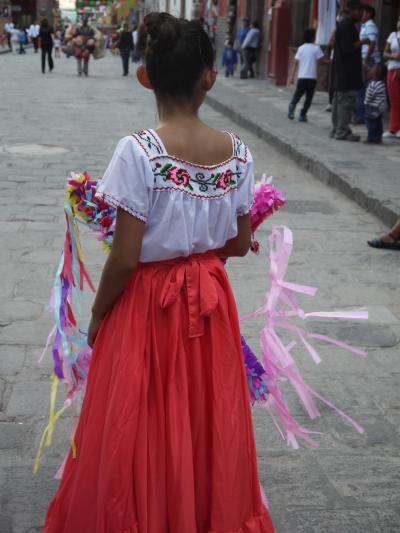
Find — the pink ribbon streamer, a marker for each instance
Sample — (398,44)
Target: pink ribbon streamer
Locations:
(279,306)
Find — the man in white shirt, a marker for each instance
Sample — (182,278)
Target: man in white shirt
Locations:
(9,28)
(370,55)
(307,57)
(369,30)
(33,33)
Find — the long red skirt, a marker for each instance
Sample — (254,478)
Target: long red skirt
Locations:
(165,439)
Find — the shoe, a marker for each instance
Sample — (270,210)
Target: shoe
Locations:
(389,135)
(349,137)
(398,135)
(291,112)
(372,142)
(303,118)
(328,108)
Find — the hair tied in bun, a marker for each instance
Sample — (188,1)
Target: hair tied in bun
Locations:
(163,31)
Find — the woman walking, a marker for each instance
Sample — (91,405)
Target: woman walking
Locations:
(392,55)
(46,36)
(165,439)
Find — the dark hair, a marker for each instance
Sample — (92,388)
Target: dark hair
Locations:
(44,23)
(370,10)
(380,69)
(255,24)
(309,35)
(354,4)
(176,54)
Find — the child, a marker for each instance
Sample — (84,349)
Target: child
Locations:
(57,44)
(165,439)
(375,104)
(229,59)
(22,40)
(307,57)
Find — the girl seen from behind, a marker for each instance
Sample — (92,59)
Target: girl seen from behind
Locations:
(165,439)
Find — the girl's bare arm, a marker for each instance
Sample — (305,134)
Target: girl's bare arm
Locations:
(121,262)
(239,245)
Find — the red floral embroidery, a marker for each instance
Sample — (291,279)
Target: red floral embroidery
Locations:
(180,176)
(224,179)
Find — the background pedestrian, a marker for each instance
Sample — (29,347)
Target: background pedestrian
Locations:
(375,104)
(229,58)
(307,58)
(392,55)
(46,35)
(125,45)
(9,28)
(57,44)
(33,32)
(241,36)
(370,55)
(84,45)
(347,73)
(250,47)
(22,39)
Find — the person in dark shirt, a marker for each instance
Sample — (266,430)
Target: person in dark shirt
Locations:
(125,45)
(46,34)
(347,72)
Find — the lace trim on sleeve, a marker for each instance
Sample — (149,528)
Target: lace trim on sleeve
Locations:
(116,202)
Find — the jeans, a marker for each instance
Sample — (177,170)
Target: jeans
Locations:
(21,48)
(343,105)
(250,57)
(228,70)
(125,53)
(47,50)
(375,128)
(307,87)
(35,41)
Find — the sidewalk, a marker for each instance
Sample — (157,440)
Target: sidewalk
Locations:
(352,168)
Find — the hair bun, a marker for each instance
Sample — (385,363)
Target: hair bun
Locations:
(163,31)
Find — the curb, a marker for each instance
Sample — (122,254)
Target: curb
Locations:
(384,210)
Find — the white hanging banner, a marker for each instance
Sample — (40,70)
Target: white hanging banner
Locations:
(326,20)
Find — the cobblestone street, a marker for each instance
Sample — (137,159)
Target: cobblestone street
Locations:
(56,123)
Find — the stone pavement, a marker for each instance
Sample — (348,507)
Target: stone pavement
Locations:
(56,123)
(368,174)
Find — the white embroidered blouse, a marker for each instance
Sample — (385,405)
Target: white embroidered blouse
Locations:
(187,208)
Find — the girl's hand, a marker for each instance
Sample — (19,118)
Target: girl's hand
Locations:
(94,327)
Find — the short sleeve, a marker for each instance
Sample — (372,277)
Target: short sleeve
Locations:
(245,195)
(320,53)
(127,182)
(298,54)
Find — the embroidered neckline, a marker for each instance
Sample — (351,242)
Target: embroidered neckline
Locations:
(152,145)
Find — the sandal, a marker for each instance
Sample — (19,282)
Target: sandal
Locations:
(379,243)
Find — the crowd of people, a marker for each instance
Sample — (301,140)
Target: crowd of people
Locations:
(364,82)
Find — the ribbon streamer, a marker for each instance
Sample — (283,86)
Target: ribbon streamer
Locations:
(279,305)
